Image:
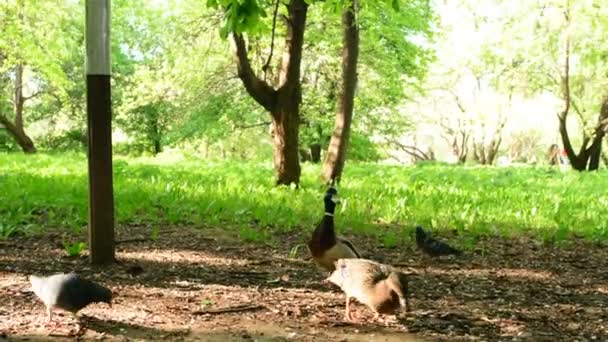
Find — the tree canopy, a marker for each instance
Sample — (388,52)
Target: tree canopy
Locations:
(447,79)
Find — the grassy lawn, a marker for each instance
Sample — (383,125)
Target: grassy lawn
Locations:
(197,214)
(50,190)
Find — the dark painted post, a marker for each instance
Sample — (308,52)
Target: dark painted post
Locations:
(99,120)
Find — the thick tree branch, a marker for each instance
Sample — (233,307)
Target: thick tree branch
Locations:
(294,40)
(274,26)
(265,123)
(565,85)
(38,93)
(261,91)
(410,150)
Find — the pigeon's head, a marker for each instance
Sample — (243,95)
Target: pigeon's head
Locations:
(339,275)
(37,283)
(102,294)
(420,234)
(331,199)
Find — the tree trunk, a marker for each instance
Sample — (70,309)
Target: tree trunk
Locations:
(283,100)
(595,150)
(155,132)
(315,153)
(460,146)
(336,152)
(578,161)
(486,154)
(157,147)
(285,139)
(24,141)
(15,128)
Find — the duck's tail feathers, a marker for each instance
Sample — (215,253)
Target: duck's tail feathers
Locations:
(350,246)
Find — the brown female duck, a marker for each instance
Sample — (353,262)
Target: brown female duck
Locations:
(382,288)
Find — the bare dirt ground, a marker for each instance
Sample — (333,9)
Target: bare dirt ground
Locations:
(183,285)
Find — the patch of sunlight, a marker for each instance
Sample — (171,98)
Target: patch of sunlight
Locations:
(183,257)
(603,289)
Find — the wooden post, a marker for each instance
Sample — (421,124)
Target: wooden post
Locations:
(99,117)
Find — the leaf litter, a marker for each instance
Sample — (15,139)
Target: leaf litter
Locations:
(206,284)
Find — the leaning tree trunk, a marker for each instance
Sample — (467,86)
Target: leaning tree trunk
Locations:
(15,127)
(578,161)
(336,152)
(282,100)
(588,158)
(595,150)
(22,139)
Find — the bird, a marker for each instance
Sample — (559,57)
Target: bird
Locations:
(431,246)
(324,245)
(69,292)
(383,288)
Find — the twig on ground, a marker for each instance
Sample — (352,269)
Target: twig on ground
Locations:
(132,240)
(237,308)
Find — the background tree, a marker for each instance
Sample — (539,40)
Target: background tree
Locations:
(561,53)
(281,98)
(336,153)
(32,48)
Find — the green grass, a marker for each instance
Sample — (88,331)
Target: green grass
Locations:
(51,191)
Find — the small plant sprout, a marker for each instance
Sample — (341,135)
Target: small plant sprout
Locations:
(293,252)
(389,239)
(155,232)
(206,302)
(74,249)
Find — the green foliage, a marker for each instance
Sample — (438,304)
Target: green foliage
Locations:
(7,230)
(250,234)
(240,16)
(7,143)
(74,249)
(393,59)
(361,148)
(179,190)
(389,239)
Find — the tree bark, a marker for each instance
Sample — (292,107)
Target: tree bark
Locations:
(338,145)
(588,158)
(283,100)
(575,161)
(485,154)
(15,127)
(22,139)
(155,130)
(595,150)
(315,153)
(286,131)
(578,161)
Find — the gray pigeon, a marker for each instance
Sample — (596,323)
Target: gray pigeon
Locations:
(68,292)
(431,246)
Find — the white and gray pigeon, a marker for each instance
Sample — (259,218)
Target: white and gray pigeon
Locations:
(68,292)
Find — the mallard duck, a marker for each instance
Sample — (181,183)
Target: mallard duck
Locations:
(381,287)
(433,247)
(324,246)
